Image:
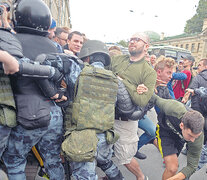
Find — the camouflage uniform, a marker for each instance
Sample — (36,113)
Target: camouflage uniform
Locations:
(5,132)
(48,140)
(86,170)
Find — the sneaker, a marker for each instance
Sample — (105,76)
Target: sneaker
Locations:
(140,155)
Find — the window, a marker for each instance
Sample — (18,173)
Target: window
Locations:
(198,47)
(187,46)
(193,47)
(181,45)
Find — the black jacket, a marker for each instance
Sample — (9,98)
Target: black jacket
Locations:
(32,105)
(199,80)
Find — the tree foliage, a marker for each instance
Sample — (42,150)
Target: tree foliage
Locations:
(123,43)
(153,35)
(195,24)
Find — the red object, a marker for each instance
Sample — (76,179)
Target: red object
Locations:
(178,90)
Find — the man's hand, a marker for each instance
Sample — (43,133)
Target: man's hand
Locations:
(179,176)
(187,94)
(10,64)
(160,83)
(55,97)
(185,97)
(141,89)
(190,91)
(68,52)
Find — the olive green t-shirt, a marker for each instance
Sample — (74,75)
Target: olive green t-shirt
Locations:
(133,74)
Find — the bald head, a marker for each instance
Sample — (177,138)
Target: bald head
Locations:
(144,37)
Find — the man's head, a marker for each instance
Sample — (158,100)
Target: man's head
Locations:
(202,65)
(147,57)
(138,44)
(188,61)
(180,65)
(192,124)
(153,59)
(52,30)
(61,36)
(75,41)
(164,69)
(95,51)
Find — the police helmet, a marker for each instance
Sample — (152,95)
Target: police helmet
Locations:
(31,16)
(91,47)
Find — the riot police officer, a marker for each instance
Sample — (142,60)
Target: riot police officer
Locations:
(39,120)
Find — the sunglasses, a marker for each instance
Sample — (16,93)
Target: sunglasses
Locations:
(62,39)
(136,39)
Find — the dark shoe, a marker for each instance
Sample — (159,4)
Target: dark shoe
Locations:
(184,151)
(140,155)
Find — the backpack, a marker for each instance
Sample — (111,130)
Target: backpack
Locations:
(7,104)
(80,146)
(94,99)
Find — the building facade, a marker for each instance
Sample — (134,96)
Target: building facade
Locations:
(60,10)
(196,43)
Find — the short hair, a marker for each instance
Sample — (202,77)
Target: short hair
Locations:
(164,62)
(194,121)
(153,56)
(115,52)
(114,47)
(204,62)
(59,31)
(66,29)
(72,33)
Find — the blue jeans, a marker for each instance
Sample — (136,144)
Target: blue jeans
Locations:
(4,138)
(149,129)
(86,170)
(48,140)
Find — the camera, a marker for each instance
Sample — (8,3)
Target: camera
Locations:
(7,8)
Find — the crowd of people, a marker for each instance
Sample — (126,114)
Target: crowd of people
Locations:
(75,100)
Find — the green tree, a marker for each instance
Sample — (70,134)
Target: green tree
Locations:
(123,43)
(153,35)
(195,24)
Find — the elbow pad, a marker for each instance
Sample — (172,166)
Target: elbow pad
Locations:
(126,106)
(124,102)
(34,70)
(47,87)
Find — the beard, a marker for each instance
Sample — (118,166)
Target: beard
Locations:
(136,52)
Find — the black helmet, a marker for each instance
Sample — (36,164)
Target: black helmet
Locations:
(91,47)
(31,16)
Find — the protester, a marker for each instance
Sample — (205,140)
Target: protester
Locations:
(177,125)
(153,60)
(60,39)
(75,43)
(133,70)
(52,30)
(180,85)
(198,103)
